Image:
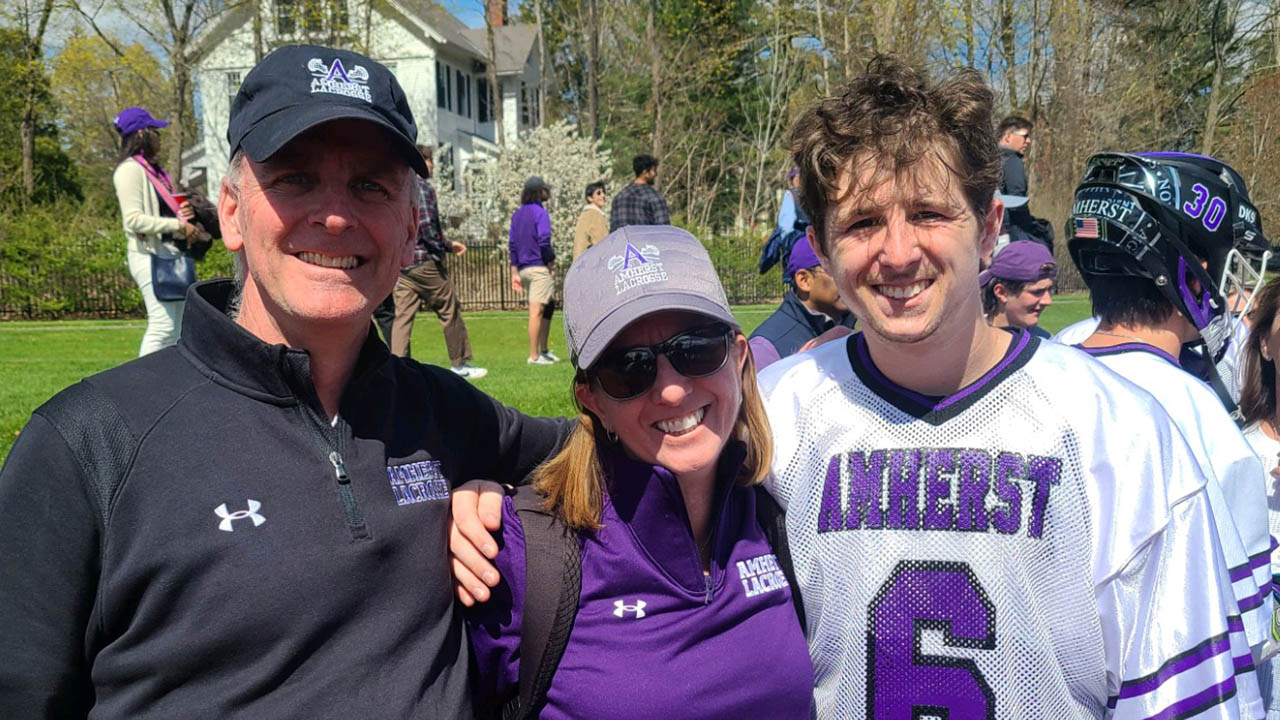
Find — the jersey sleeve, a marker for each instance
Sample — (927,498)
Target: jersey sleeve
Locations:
(49,562)
(1244,489)
(1174,640)
(494,627)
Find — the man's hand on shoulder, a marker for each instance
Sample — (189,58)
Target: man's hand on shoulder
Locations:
(477,512)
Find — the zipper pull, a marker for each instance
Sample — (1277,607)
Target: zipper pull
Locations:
(339,469)
(707,576)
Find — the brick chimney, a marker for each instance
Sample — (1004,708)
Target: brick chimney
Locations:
(497,10)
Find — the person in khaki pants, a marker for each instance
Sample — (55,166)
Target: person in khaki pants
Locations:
(426,281)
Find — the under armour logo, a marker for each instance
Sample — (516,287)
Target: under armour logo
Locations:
(621,608)
(231,517)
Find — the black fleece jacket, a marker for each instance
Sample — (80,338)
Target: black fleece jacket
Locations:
(187,535)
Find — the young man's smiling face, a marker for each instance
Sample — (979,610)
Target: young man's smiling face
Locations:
(903,248)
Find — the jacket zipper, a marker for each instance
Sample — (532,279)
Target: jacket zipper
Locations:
(331,444)
(707,576)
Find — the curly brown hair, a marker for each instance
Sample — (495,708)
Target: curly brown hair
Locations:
(888,120)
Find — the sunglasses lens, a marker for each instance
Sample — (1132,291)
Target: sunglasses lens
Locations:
(628,373)
(699,355)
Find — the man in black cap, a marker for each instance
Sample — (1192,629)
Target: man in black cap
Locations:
(252,523)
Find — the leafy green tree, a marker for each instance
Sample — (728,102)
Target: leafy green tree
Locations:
(53,175)
(90,83)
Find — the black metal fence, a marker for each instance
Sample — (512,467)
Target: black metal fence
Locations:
(88,277)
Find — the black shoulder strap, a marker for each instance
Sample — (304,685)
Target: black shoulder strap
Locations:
(774,523)
(97,436)
(553,584)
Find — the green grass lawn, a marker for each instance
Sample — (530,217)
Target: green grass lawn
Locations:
(37,359)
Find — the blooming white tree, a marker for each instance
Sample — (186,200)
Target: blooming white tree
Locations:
(490,189)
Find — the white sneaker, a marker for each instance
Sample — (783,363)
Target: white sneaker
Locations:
(469,371)
(540,360)
(550,356)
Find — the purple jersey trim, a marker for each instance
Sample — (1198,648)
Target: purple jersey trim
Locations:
(1175,665)
(1198,703)
(931,409)
(1256,561)
(1130,347)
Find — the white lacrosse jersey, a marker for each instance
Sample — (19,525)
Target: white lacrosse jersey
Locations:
(1236,481)
(1076,332)
(1230,367)
(1268,452)
(1036,545)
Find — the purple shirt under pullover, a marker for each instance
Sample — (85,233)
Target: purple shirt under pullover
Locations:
(529,241)
(654,637)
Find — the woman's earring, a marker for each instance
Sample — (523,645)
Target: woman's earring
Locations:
(611,435)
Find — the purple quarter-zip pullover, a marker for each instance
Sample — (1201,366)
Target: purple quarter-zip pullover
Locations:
(655,637)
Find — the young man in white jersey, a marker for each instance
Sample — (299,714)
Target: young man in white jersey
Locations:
(983,525)
(1151,236)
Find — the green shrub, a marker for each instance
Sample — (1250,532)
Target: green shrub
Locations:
(68,259)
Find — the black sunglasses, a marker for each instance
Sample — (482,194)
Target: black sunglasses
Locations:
(627,373)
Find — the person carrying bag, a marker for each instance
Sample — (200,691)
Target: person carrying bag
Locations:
(163,242)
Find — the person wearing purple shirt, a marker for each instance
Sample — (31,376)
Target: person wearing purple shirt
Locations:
(532,258)
(684,610)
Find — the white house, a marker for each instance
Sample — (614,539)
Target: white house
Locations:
(442,65)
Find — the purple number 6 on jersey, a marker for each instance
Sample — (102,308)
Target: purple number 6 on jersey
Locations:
(903,681)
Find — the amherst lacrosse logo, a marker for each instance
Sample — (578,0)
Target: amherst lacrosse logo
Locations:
(336,79)
(621,608)
(636,267)
(230,517)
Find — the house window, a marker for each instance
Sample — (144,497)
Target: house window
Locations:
(464,102)
(442,90)
(530,105)
(484,101)
(311,16)
(284,17)
(233,85)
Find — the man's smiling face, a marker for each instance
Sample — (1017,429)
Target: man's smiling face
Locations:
(903,248)
(325,225)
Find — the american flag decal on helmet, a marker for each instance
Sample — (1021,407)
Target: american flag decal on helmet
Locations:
(1086,227)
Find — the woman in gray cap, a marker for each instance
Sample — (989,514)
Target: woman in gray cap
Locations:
(683,604)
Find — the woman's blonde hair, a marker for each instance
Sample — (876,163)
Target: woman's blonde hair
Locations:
(573,480)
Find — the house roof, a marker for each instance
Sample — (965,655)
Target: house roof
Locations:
(512,42)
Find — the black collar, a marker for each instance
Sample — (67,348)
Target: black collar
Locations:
(238,359)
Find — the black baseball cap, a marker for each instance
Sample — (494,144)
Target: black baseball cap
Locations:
(298,87)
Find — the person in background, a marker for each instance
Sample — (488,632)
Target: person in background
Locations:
(150,215)
(1014,134)
(790,215)
(1151,274)
(1019,286)
(427,281)
(683,611)
(811,306)
(532,260)
(640,203)
(1258,405)
(592,224)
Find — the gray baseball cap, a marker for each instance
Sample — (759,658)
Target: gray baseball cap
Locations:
(636,271)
